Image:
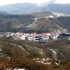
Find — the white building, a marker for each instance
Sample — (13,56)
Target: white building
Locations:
(30,38)
(23,37)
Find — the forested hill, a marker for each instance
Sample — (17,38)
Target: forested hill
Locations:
(15,22)
(27,23)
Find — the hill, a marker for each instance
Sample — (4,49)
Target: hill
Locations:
(36,22)
(15,22)
(49,14)
(64,22)
(59,19)
(26,23)
(12,48)
(44,25)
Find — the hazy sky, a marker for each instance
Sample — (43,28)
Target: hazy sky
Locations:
(3,2)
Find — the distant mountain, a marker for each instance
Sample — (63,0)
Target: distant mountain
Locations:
(64,8)
(20,8)
(28,8)
(3,13)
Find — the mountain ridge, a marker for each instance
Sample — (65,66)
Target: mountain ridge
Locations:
(28,8)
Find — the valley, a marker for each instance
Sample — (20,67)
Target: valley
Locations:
(35,37)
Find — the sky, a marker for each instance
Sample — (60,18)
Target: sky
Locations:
(4,2)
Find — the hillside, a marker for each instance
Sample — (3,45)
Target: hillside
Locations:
(15,22)
(44,21)
(44,25)
(28,54)
(12,48)
(64,22)
(49,14)
(41,14)
(59,19)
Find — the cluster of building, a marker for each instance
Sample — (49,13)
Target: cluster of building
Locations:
(30,36)
(33,36)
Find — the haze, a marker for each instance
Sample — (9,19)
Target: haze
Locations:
(4,2)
